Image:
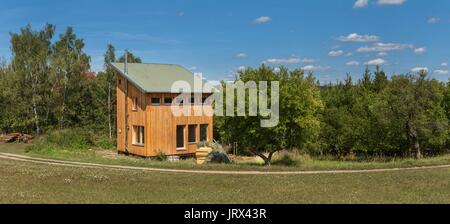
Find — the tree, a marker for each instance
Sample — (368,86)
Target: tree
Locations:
(298,125)
(107,84)
(413,103)
(69,64)
(31,51)
(131,58)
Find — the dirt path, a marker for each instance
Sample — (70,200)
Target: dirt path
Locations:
(15,157)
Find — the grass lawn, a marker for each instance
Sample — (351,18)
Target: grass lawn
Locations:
(23,182)
(301,162)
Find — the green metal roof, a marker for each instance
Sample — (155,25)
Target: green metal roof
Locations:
(155,78)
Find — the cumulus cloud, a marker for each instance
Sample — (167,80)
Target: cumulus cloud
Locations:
(313,68)
(241,55)
(352,63)
(336,53)
(361,3)
(443,64)
(382,54)
(354,37)
(262,19)
(378,61)
(419,69)
(441,72)
(193,68)
(241,68)
(285,61)
(384,47)
(390,2)
(420,50)
(434,20)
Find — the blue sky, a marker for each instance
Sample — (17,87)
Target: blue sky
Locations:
(330,37)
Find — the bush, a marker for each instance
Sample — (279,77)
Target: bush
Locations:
(285,160)
(73,140)
(161,156)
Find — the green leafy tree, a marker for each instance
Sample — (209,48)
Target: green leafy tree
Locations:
(31,51)
(70,66)
(413,104)
(298,125)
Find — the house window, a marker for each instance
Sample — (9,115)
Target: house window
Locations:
(192,100)
(192,136)
(138,135)
(156,101)
(167,101)
(204,132)
(204,100)
(134,104)
(180,101)
(180,137)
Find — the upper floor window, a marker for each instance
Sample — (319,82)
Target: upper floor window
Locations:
(134,107)
(156,101)
(167,101)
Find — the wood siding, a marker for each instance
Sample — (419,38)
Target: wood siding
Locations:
(159,122)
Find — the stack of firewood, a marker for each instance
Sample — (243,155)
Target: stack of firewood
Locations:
(12,137)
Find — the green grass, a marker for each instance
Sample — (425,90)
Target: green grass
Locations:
(23,182)
(302,162)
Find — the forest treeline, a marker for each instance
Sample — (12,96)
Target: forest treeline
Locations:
(47,85)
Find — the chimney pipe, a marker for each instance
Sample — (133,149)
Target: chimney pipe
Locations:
(126,62)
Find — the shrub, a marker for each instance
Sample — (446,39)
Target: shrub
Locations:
(73,140)
(161,156)
(285,160)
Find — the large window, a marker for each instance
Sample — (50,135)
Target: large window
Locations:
(138,135)
(204,132)
(180,137)
(192,136)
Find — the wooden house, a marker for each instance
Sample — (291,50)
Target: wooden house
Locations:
(146,125)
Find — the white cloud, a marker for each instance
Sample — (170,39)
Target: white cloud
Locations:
(419,69)
(378,61)
(352,63)
(180,14)
(262,19)
(336,53)
(241,68)
(382,54)
(420,50)
(241,55)
(434,20)
(444,64)
(361,3)
(441,72)
(383,47)
(349,54)
(390,2)
(312,68)
(354,37)
(284,61)
(193,68)
(277,69)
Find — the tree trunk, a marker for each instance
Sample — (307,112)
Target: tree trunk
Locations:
(34,104)
(109,111)
(413,141)
(267,159)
